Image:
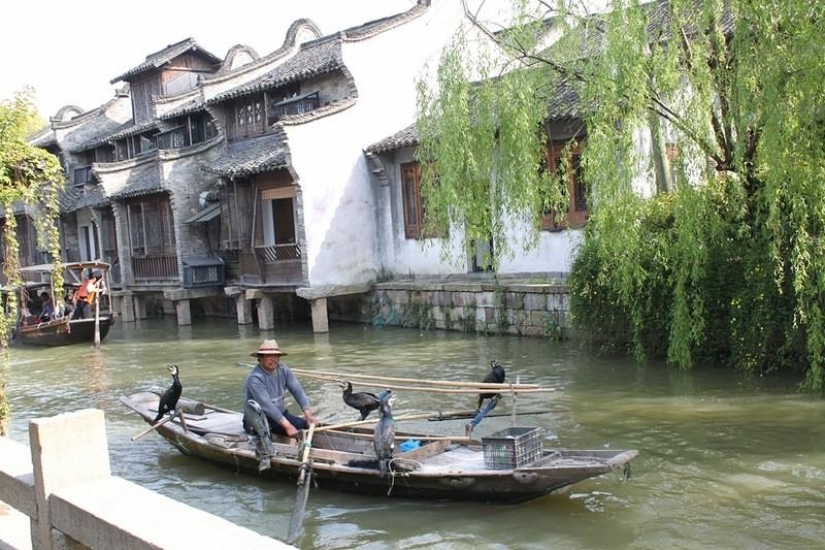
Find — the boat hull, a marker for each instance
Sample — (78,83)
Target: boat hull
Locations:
(62,333)
(439,469)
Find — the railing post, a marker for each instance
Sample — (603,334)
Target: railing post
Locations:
(67,449)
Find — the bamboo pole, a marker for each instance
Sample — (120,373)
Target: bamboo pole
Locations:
(447,383)
(152,427)
(473,389)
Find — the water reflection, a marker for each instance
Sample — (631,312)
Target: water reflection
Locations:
(727,461)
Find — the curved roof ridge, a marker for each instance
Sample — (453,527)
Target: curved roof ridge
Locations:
(287,46)
(379,26)
(314,58)
(84,116)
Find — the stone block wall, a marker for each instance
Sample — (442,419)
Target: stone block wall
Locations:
(522,309)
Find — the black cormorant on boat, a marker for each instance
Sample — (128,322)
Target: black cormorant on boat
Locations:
(494,376)
(169,399)
(255,420)
(365,402)
(384,435)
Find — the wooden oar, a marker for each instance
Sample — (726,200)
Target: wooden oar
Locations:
(152,427)
(301,497)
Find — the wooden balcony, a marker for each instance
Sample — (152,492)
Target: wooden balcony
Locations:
(278,265)
(294,106)
(271,254)
(155,269)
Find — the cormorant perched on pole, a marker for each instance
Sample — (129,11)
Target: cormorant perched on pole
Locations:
(169,399)
(384,435)
(365,402)
(494,376)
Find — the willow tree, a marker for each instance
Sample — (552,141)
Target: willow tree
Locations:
(29,177)
(704,157)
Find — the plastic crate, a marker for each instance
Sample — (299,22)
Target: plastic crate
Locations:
(512,448)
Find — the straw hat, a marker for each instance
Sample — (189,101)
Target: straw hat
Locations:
(268,347)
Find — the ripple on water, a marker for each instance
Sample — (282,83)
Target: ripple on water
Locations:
(721,464)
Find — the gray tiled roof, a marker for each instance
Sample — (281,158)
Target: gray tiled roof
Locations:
(191,106)
(160,58)
(251,156)
(371,28)
(125,130)
(43,138)
(408,137)
(315,58)
(68,197)
(565,102)
(142,181)
(90,198)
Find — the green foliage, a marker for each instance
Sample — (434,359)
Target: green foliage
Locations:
(477,136)
(28,176)
(729,263)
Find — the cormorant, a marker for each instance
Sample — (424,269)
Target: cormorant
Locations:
(384,435)
(494,376)
(255,419)
(169,399)
(365,402)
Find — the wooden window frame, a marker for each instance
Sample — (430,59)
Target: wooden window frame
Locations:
(577,189)
(411,200)
(137,220)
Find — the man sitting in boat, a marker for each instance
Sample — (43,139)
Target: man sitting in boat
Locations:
(267,384)
(84,297)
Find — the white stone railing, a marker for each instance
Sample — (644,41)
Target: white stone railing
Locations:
(63,483)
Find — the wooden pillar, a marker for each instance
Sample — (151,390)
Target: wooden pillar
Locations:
(320,320)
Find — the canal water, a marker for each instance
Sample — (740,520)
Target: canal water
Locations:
(726,460)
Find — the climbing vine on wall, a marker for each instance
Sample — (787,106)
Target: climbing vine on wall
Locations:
(30,179)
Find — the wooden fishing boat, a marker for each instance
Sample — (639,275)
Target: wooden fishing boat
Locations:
(439,468)
(62,330)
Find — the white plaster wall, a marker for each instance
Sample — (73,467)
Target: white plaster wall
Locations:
(338,202)
(420,256)
(327,154)
(554,252)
